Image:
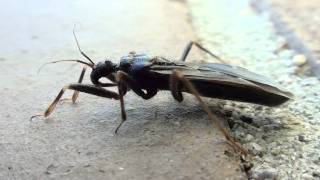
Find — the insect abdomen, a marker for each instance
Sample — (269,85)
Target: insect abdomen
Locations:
(239,93)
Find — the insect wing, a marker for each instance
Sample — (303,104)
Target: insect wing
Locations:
(223,74)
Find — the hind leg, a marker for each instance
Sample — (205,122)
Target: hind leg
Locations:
(189,46)
(176,78)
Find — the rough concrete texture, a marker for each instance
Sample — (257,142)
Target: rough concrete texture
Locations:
(285,140)
(162,139)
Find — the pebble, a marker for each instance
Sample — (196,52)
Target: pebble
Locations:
(306,176)
(246,119)
(228,109)
(316,161)
(248,138)
(299,60)
(270,174)
(255,148)
(303,138)
(276,151)
(316,174)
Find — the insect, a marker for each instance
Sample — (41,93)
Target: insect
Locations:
(146,75)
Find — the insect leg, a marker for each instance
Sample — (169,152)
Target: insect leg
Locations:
(121,93)
(178,76)
(124,81)
(189,46)
(175,88)
(86,88)
(76,93)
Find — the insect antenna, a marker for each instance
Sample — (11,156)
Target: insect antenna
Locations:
(52,62)
(91,64)
(82,53)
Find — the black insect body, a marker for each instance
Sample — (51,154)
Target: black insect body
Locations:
(146,75)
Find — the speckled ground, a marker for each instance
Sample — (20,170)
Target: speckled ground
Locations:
(285,140)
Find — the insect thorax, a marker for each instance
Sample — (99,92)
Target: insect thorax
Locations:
(135,62)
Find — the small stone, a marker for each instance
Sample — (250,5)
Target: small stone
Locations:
(316,174)
(316,161)
(259,108)
(130,108)
(299,60)
(239,133)
(300,155)
(177,123)
(303,138)
(228,110)
(276,151)
(51,167)
(248,138)
(246,119)
(306,176)
(270,174)
(255,148)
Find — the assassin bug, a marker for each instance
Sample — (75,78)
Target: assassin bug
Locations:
(145,75)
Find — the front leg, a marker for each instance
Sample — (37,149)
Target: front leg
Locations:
(76,93)
(124,81)
(86,88)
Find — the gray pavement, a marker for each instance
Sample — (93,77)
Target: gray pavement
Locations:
(162,139)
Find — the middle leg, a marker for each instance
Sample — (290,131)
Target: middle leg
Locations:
(124,82)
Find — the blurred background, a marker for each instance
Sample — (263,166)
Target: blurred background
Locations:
(162,139)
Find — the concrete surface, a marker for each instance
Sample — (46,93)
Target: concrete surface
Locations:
(285,140)
(161,139)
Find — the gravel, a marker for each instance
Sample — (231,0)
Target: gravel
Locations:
(284,140)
